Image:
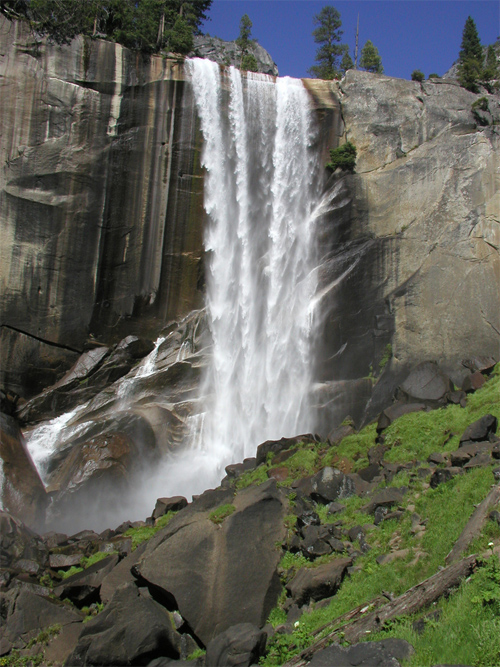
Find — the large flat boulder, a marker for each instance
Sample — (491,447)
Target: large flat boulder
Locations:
(220,574)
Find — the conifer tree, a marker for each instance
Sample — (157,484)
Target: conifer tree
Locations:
(370,59)
(470,63)
(346,62)
(327,34)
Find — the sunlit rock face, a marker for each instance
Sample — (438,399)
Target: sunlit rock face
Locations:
(415,261)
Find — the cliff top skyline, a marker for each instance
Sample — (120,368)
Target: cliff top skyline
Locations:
(409,34)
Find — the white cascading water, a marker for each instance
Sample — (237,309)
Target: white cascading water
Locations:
(261,278)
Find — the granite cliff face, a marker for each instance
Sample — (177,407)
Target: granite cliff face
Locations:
(101,200)
(416,264)
(101,205)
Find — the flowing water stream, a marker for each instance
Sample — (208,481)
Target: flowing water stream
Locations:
(260,197)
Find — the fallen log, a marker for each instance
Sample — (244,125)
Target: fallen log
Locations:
(474,525)
(414,599)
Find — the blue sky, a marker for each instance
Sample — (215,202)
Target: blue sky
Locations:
(409,34)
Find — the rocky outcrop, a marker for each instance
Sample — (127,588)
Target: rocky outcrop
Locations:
(229,53)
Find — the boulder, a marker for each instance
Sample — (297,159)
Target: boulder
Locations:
(318,582)
(395,411)
(22,492)
(131,630)
(427,384)
(473,382)
(165,505)
(442,475)
(482,364)
(480,430)
(239,646)
(329,485)
(223,574)
(385,498)
(24,614)
(94,470)
(275,446)
(384,653)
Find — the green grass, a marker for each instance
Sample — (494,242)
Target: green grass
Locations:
(252,477)
(470,618)
(145,533)
(221,513)
(468,629)
(417,435)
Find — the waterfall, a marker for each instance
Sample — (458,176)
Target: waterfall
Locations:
(260,243)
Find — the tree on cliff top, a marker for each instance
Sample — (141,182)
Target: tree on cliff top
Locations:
(470,62)
(327,34)
(370,59)
(248,61)
(148,25)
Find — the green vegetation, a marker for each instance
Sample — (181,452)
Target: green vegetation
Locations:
(370,59)
(328,34)
(386,357)
(417,75)
(221,513)
(343,157)
(481,104)
(14,659)
(144,533)
(467,628)
(434,76)
(85,562)
(149,26)
(45,636)
(92,611)
(248,61)
(346,62)
(410,438)
(199,653)
(470,64)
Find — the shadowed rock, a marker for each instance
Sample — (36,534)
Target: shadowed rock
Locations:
(239,646)
(21,492)
(220,575)
(132,630)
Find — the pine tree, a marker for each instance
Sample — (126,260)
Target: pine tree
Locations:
(370,59)
(327,34)
(490,72)
(346,62)
(244,39)
(470,63)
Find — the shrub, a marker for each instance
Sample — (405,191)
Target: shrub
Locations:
(417,75)
(249,63)
(344,157)
(434,76)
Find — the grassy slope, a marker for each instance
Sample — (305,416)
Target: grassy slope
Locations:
(468,629)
